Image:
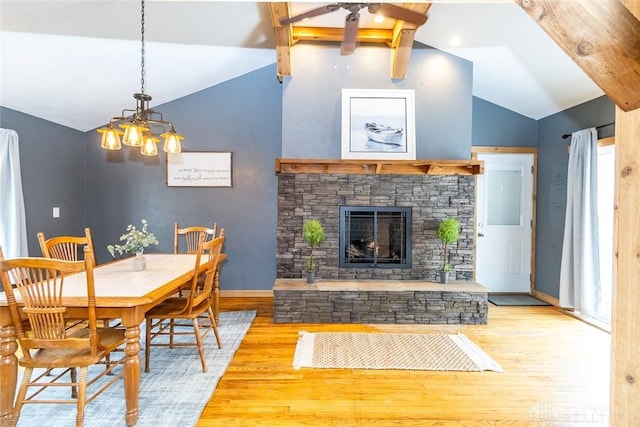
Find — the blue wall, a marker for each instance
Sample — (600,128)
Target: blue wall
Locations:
(108,190)
(242,116)
(495,126)
(553,158)
(258,120)
(311,122)
(53,167)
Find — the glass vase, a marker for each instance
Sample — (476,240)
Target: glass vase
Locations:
(139,262)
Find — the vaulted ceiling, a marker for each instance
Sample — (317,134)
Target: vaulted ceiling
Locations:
(77,62)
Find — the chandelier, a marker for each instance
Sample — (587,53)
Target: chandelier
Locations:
(137,123)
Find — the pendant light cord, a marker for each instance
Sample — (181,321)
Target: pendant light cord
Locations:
(142,49)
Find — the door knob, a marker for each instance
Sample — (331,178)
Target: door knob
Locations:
(480,235)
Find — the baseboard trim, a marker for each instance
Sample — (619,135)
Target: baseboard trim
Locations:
(546,298)
(556,302)
(588,320)
(267,293)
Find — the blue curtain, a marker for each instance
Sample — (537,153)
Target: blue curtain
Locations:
(580,268)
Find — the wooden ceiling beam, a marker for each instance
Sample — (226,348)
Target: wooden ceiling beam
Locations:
(602,37)
(399,38)
(283,38)
(625,335)
(401,53)
(402,42)
(331,34)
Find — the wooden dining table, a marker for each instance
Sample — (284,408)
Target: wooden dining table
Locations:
(121,293)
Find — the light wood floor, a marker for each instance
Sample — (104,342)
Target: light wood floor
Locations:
(556,374)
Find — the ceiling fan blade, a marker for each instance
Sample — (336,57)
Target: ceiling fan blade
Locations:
(397,12)
(348,45)
(310,14)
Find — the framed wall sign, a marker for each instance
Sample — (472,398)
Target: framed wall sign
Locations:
(199,169)
(378,124)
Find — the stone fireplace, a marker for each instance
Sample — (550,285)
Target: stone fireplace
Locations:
(429,198)
(389,281)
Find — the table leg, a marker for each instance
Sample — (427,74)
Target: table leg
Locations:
(216,296)
(8,371)
(132,374)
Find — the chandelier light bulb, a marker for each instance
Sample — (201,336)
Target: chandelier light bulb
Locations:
(110,138)
(133,134)
(149,145)
(172,142)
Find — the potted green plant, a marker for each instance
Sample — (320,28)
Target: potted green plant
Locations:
(135,241)
(448,232)
(313,234)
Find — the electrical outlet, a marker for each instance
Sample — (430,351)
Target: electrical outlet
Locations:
(56,212)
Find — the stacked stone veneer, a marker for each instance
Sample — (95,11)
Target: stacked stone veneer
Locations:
(411,302)
(432,198)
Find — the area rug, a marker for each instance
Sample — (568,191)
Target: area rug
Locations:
(173,394)
(515,300)
(363,350)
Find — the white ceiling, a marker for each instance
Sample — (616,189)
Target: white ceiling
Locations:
(77,62)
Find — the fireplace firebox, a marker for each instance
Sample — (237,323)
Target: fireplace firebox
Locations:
(378,237)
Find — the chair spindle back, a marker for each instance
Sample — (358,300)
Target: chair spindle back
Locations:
(40,285)
(66,248)
(191,236)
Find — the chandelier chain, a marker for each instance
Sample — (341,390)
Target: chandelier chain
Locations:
(137,123)
(142,48)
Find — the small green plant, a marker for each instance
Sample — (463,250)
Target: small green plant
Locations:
(135,240)
(313,234)
(448,232)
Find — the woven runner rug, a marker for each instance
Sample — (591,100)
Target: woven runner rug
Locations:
(363,350)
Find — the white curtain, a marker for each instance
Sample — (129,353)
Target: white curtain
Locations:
(580,268)
(13,225)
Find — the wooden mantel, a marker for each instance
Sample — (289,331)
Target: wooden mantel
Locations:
(380,167)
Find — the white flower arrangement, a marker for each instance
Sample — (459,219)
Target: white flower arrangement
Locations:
(135,240)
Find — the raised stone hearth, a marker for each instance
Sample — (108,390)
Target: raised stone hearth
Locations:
(379,301)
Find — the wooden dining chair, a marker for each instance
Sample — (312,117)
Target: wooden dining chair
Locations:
(215,301)
(190,308)
(48,344)
(188,238)
(191,237)
(68,248)
(23,318)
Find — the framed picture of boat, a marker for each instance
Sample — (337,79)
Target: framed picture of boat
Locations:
(378,124)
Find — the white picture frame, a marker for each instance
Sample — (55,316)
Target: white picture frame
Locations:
(392,111)
(199,169)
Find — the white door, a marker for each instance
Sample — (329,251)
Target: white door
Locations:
(504,211)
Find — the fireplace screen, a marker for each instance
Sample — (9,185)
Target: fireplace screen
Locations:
(375,237)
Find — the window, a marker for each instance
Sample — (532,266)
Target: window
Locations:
(606,185)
